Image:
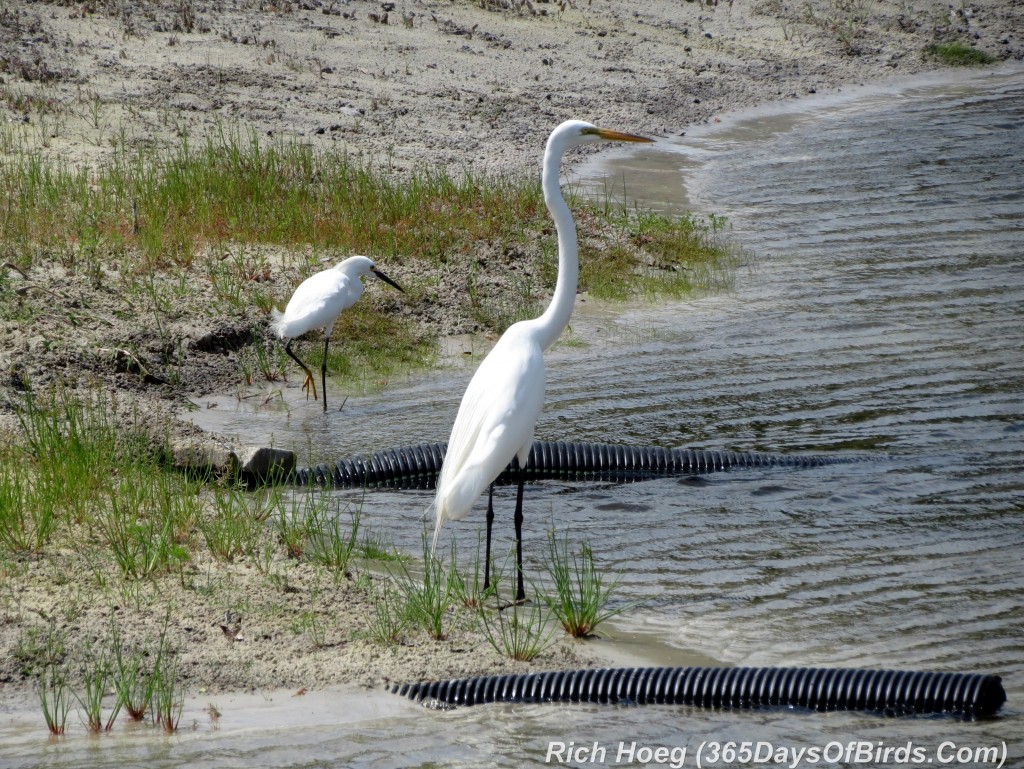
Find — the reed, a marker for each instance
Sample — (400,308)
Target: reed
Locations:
(332,537)
(518,632)
(133,684)
(49,661)
(96,671)
(233,528)
(27,521)
(469,587)
(391,614)
(168,696)
(432,595)
(582,594)
(54,697)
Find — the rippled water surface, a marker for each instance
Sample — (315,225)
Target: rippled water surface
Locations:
(881,313)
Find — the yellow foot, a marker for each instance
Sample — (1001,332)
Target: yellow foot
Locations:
(308,385)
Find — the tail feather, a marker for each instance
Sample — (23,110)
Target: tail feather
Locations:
(276,321)
(438,522)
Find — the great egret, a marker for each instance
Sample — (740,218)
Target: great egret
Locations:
(499,410)
(317,303)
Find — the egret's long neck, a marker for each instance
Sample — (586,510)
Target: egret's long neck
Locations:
(556,317)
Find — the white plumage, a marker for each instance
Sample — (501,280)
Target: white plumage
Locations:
(317,303)
(499,410)
(494,424)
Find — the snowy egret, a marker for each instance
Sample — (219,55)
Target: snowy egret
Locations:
(499,410)
(317,303)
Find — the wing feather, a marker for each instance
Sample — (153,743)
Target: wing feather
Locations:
(317,302)
(495,422)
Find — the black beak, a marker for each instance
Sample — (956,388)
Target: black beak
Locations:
(386,279)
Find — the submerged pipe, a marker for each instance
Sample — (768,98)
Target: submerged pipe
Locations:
(892,692)
(417,467)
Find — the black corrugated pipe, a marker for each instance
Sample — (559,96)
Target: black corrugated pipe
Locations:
(892,692)
(417,467)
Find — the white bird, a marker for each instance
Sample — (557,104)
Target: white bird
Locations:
(317,303)
(499,410)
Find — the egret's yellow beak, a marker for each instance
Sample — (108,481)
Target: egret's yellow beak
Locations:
(619,136)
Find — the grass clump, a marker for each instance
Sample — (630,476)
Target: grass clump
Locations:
(231,530)
(168,696)
(650,254)
(51,675)
(331,539)
(957,54)
(391,615)
(357,355)
(26,521)
(97,670)
(132,682)
(146,523)
(74,447)
(469,587)
(432,596)
(518,632)
(291,522)
(582,596)
(54,697)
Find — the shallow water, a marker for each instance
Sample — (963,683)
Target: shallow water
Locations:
(881,313)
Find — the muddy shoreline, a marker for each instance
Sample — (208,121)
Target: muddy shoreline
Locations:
(446,85)
(451,85)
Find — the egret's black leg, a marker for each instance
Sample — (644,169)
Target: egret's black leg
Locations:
(309,374)
(487,547)
(520,591)
(323,369)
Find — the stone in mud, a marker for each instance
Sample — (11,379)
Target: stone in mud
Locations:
(264,463)
(202,456)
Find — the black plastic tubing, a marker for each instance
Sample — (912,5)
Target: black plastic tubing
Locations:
(417,467)
(892,692)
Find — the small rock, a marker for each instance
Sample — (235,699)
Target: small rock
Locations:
(264,463)
(202,456)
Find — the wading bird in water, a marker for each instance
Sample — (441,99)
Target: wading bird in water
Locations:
(499,410)
(317,303)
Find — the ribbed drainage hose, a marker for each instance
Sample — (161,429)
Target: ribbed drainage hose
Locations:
(886,691)
(417,467)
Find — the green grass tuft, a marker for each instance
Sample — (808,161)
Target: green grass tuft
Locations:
(517,632)
(581,600)
(391,615)
(97,670)
(431,596)
(959,55)
(332,537)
